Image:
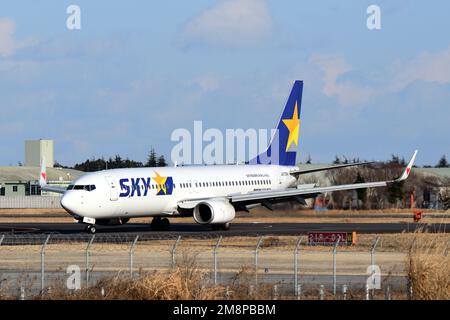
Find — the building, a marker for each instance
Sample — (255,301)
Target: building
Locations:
(36,150)
(24,181)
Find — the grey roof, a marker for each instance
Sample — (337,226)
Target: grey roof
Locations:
(32,174)
(441,172)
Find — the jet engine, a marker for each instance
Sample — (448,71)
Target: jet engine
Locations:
(214,212)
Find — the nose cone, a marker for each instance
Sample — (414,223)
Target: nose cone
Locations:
(68,202)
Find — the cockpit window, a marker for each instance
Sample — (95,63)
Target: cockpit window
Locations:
(89,187)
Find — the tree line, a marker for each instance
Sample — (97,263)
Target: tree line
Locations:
(395,159)
(116,162)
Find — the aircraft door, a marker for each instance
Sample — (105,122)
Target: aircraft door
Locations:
(195,186)
(113,190)
(191,186)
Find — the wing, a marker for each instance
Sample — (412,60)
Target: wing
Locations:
(338,166)
(266,197)
(53,189)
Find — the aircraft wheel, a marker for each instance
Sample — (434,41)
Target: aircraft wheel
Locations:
(91,229)
(165,224)
(226,226)
(159,224)
(156,223)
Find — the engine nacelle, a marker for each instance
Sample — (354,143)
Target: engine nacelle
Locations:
(213,212)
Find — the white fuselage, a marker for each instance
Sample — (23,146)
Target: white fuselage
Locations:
(141,192)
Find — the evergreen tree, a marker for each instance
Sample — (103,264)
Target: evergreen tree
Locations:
(337,160)
(151,160)
(161,161)
(443,163)
(308,160)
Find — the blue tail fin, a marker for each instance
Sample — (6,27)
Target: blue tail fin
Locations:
(283,146)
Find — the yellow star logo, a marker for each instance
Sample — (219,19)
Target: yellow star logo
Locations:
(293,126)
(160,183)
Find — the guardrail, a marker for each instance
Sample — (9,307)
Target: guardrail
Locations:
(30,202)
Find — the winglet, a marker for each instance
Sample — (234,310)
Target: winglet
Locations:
(408,168)
(43,174)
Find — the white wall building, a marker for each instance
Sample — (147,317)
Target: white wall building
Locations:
(35,150)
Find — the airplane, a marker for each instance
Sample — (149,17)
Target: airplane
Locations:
(210,194)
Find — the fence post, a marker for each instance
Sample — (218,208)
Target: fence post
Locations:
(297,246)
(275,292)
(174,251)
(372,251)
(344,291)
(299,292)
(215,259)
(133,245)
(258,245)
(334,265)
(44,245)
(409,284)
(22,293)
(388,292)
(410,291)
(321,292)
(372,260)
(87,260)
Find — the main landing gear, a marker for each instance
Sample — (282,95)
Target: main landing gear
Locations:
(225,226)
(160,224)
(91,228)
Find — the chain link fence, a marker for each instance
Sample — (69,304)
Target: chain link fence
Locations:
(32,265)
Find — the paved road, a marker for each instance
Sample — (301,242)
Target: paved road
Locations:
(237,229)
(273,214)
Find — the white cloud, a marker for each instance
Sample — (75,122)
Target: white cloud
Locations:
(230,23)
(347,92)
(429,67)
(207,82)
(8,44)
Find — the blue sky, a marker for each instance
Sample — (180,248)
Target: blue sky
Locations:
(137,70)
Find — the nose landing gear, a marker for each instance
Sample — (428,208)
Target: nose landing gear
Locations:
(91,229)
(160,224)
